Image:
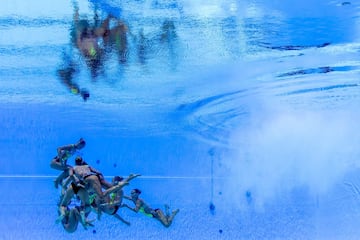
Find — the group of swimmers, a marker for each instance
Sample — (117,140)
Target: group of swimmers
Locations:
(85,190)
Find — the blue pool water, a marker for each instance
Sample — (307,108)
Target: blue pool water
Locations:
(242,114)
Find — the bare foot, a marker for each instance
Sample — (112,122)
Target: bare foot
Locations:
(132,175)
(62,214)
(175,212)
(167,210)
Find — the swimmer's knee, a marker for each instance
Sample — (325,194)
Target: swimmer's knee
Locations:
(86,208)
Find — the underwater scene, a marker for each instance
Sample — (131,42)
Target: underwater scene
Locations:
(179,119)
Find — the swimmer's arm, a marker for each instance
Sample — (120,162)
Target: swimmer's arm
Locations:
(131,177)
(127,206)
(100,31)
(127,197)
(67,148)
(136,209)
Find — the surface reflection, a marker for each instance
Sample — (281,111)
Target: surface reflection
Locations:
(96,42)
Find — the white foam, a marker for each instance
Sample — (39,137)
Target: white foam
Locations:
(283,149)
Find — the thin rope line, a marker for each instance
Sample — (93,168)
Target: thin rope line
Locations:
(146,177)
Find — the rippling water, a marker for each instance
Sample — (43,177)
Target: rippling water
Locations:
(266,90)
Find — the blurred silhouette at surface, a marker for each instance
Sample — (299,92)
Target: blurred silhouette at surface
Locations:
(86,39)
(102,38)
(158,45)
(66,74)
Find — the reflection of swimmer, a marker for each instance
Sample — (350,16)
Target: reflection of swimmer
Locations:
(165,41)
(168,39)
(115,38)
(118,38)
(168,32)
(142,47)
(140,206)
(86,39)
(66,74)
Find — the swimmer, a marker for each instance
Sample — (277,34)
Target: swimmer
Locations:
(72,217)
(114,199)
(59,162)
(140,206)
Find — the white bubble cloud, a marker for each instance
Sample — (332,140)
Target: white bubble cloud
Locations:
(283,149)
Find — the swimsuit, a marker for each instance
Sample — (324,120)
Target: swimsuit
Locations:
(112,200)
(142,210)
(76,187)
(92,51)
(116,208)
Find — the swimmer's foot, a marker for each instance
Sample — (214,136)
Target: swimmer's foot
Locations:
(175,212)
(62,214)
(167,209)
(86,222)
(90,222)
(132,176)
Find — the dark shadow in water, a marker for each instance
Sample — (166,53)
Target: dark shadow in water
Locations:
(191,107)
(320,70)
(326,88)
(326,69)
(291,47)
(66,74)
(212,117)
(162,44)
